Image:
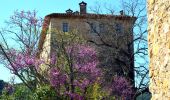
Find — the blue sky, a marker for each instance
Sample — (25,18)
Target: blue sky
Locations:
(45,7)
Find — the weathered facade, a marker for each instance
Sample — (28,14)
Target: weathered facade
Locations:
(115,48)
(159,48)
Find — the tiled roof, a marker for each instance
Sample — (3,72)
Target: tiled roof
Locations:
(88,15)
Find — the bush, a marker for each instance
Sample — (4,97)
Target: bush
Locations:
(46,93)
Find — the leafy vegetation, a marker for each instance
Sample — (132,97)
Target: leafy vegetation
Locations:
(70,72)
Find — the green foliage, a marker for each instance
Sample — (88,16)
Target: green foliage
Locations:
(4,96)
(95,92)
(45,93)
(21,93)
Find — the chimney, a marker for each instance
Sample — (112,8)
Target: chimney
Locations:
(122,12)
(76,13)
(83,7)
(69,11)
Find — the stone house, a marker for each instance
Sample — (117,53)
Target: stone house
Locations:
(112,35)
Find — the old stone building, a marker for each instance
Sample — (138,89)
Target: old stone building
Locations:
(111,35)
(159,48)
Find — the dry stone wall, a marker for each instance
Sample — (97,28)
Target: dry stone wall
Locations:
(159,48)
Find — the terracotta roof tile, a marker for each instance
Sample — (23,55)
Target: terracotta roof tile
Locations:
(88,15)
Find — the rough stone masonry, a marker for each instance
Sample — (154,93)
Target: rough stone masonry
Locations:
(159,48)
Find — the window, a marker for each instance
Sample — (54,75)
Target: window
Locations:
(101,28)
(65,27)
(118,28)
(93,27)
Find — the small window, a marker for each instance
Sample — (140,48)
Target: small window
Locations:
(118,28)
(93,27)
(101,28)
(65,27)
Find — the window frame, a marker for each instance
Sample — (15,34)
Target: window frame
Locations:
(93,27)
(65,27)
(118,28)
(102,28)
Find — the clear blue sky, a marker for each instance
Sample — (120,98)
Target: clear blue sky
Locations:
(44,7)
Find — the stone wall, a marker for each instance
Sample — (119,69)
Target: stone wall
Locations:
(45,54)
(46,48)
(159,48)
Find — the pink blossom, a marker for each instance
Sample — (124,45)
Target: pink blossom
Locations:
(75,96)
(121,87)
(57,78)
(53,59)
(82,83)
(29,60)
(22,60)
(85,61)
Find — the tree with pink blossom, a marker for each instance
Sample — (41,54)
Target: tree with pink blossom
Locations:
(80,71)
(21,60)
(73,71)
(121,88)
